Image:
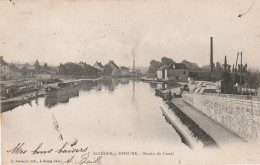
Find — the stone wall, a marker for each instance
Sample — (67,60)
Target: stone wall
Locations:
(238,113)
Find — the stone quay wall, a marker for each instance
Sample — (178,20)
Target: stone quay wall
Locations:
(238,113)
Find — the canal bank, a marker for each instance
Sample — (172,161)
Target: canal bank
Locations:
(220,134)
(14,102)
(203,128)
(196,132)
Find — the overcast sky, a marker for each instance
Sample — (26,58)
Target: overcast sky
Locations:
(62,31)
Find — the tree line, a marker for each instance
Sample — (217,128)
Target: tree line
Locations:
(86,69)
(75,69)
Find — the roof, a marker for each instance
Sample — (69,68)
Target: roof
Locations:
(99,64)
(49,71)
(52,71)
(180,66)
(13,68)
(162,67)
(169,66)
(44,71)
(2,61)
(113,63)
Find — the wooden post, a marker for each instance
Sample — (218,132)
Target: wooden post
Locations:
(241,68)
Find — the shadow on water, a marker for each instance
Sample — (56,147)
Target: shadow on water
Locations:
(62,95)
(184,140)
(10,105)
(108,84)
(89,85)
(158,85)
(111,84)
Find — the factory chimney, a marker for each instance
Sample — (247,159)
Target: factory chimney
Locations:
(133,60)
(211,54)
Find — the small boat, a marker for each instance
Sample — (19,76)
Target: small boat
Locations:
(151,80)
(62,88)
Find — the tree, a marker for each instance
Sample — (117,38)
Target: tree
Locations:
(45,66)
(124,68)
(190,65)
(37,64)
(154,66)
(90,70)
(75,69)
(166,61)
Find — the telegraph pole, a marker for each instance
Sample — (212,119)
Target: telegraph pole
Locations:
(241,68)
(237,69)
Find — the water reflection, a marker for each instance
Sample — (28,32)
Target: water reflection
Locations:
(61,95)
(109,84)
(114,111)
(133,97)
(57,96)
(89,85)
(158,85)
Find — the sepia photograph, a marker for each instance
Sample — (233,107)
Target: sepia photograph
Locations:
(125,82)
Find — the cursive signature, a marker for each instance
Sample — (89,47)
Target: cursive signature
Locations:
(18,149)
(38,151)
(63,149)
(84,159)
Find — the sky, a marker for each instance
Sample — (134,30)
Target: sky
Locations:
(71,31)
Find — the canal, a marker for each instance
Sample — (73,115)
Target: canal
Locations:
(109,115)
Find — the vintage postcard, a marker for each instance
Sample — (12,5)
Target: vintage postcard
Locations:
(130,82)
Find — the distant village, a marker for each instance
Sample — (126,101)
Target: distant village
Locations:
(18,79)
(15,71)
(166,69)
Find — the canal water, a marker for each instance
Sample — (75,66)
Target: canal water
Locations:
(109,115)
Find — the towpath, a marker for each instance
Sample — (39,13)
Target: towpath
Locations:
(216,131)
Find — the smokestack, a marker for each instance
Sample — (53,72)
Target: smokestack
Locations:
(211,54)
(133,60)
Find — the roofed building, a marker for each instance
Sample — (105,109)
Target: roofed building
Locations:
(181,72)
(29,71)
(161,72)
(173,71)
(15,72)
(99,66)
(115,69)
(44,74)
(4,69)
